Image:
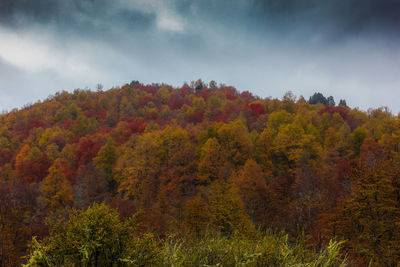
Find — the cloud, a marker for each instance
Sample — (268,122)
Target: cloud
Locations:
(93,14)
(166,21)
(166,17)
(35,51)
(22,52)
(344,48)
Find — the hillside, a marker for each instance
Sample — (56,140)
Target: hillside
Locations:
(204,158)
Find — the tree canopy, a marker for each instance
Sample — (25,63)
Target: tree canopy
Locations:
(196,161)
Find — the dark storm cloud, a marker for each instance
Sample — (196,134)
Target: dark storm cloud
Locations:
(302,20)
(345,16)
(345,48)
(332,20)
(88,16)
(349,14)
(340,16)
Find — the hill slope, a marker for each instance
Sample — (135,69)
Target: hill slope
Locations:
(197,158)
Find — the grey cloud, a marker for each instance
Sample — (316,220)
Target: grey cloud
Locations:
(80,17)
(346,13)
(304,20)
(344,48)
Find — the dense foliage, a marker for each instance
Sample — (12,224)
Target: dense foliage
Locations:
(201,159)
(97,237)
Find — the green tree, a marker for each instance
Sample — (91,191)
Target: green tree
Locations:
(318,98)
(331,101)
(343,103)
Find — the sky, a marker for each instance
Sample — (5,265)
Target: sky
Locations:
(349,49)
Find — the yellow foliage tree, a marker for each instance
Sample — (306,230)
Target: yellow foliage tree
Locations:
(55,188)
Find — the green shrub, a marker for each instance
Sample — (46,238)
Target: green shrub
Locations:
(94,237)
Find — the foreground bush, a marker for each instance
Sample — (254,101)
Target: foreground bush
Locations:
(262,250)
(97,237)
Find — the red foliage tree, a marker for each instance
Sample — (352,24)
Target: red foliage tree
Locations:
(341,110)
(230,92)
(257,109)
(87,151)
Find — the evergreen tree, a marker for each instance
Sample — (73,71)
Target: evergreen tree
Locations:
(318,98)
(343,103)
(331,101)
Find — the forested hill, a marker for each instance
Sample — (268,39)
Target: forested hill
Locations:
(204,158)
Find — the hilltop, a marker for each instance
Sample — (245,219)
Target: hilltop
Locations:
(203,158)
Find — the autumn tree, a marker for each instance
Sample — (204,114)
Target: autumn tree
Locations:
(227,211)
(370,218)
(197,215)
(31,164)
(105,161)
(250,185)
(20,218)
(138,169)
(211,161)
(55,188)
(235,141)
